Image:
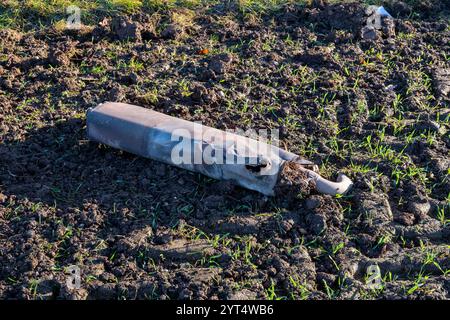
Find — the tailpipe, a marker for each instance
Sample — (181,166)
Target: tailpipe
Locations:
(342,185)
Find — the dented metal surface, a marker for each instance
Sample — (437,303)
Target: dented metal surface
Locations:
(158,136)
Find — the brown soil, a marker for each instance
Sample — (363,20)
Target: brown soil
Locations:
(139,229)
(293,184)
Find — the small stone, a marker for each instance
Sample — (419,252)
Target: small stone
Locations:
(420,209)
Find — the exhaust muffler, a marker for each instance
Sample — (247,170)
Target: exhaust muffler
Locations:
(218,154)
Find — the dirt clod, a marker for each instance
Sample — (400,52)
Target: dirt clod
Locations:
(172,31)
(369,33)
(405,218)
(125,29)
(221,63)
(293,182)
(441,79)
(181,249)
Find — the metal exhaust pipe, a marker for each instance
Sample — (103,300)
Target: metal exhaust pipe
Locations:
(215,153)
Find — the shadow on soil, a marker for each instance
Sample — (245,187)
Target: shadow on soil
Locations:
(58,167)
